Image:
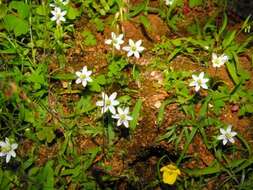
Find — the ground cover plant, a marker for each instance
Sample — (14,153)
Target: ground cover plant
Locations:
(126,94)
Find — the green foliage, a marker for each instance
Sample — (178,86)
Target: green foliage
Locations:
(135,114)
(90,39)
(99,8)
(43,109)
(194,3)
(17,23)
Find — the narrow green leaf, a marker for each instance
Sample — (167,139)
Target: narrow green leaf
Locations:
(224,24)
(229,38)
(135,114)
(232,72)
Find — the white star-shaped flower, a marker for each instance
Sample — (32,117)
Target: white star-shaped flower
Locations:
(227,135)
(108,102)
(169,2)
(7,149)
(83,76)
(122,117)
(58,15)
(116,41)
(134,48)
(218,61)
(57,2)
(199,81)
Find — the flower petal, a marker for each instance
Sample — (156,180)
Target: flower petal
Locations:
(112,109)
(113,96)
(125,123)
(136,54)
(225,141)
(8,157)
(84,83)
(138,43)
(108,42)
(100,103)
(78,81)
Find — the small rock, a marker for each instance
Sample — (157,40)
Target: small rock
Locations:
(235,108)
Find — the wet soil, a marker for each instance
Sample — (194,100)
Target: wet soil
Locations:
(141,151)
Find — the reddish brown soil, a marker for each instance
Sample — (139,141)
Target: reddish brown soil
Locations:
(151,91)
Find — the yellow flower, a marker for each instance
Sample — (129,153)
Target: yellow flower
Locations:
(170,173)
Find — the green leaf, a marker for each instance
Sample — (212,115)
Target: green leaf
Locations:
(246,109)
(21,7)
(135,10)
(94,86)
(73,13)
(224,24)
(13,23)
(100,79)
(64,76)
(194,3)
(73,172)
(3,10)
(84,105)
(232,72)
(46,133)
(41,10)
(229,38)
(48,176)
(90,39)
(160,116)
(214,168)
(92,131)
(135,114)
(174,53)
(111,134)
(145,21)
(99,24)
(204,107)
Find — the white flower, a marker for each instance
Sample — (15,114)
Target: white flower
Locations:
(7,149)
(64,2)
(108,102)
(218,61)
(59,1)
(122,117)
(169,2)
(83,76)
(58,15)
(134,48)
(227,135)
(199,81)
(115,41)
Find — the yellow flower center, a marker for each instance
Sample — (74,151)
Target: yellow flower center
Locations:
(83,76)
(108,102)
(228,135)
(6,149)
(122,117)
(114,41)
(133,48)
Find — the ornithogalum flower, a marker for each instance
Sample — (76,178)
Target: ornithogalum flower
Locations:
(58,15)
(83,76)
(199,81)
(108,102)
(218,61)
(115,41)
(169,2)
(134,48)
(58,2)
(7,149)
(123,117)
(227,135)
(170,173)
